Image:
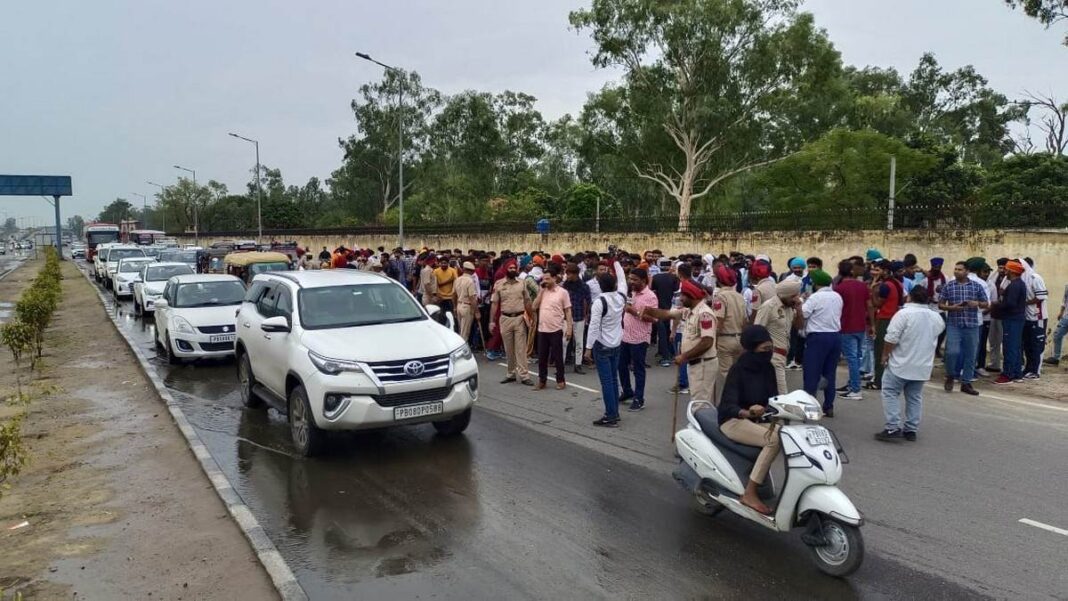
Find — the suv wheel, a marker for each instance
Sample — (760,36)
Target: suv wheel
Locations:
(168,352)
(247,382)
(455,425)
(307,437)
(137,307)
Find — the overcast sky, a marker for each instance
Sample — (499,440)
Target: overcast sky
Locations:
(114,93)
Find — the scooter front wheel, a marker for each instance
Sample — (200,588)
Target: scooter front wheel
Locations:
(704,504)
(844,551)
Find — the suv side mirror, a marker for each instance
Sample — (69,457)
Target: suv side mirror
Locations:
(278,323)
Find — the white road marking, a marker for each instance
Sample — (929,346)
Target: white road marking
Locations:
(580,387)
(987,395)
(1044,526)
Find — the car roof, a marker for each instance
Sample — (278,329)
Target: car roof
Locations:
(137,260)
(170,264)
(197,278)
(321,278)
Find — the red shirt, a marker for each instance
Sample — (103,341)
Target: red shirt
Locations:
(855,295)
(888,291)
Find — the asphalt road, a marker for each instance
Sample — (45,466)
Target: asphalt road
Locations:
(511,511)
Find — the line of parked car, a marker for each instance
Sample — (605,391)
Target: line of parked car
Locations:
(332,349)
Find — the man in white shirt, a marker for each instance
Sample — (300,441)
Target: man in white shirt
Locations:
(1037,316)
(603,338)
(823,340)
(908,353)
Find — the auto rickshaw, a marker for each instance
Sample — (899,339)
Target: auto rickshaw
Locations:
(246,265)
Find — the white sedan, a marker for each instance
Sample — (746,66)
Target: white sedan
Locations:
(154,276)
(196,316)
(127,272)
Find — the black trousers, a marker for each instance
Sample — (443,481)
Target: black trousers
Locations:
(984,336)
(551,344)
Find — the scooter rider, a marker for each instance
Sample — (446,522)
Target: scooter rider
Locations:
(750,383)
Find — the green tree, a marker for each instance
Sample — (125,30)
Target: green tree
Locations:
(734,84)
(75,224)
(11,225)
(117,210)
(185,202)
(1048,12)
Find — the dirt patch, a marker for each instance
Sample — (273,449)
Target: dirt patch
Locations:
(117,506)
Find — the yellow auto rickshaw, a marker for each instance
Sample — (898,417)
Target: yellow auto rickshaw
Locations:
(246,265)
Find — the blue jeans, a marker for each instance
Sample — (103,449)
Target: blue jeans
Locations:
(1058,336)
(851,348)
(962,344)
(1034,343)
(684,376)
(893,386)
(822,350)
(867,355)
(607,362)
(1012,348)
(632,357)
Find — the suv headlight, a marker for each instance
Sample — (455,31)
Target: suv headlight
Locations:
(464,352)
(333,367)
(183,326)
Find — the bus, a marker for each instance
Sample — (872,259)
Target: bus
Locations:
(144,237)
(96,234)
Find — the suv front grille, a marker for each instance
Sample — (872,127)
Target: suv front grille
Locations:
(410,398)
(393,371)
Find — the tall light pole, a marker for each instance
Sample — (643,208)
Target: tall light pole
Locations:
(144,209)
(196,209)
(162,189)
(400,143)
(259,189)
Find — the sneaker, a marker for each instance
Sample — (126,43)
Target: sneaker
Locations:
(793,365)
(853,396)
(579,370)
(867,377)
(1051,361)
(842,389)
(828,413)
(607,422)
(1031,376)
(889,435)
(910,436)
(623,398)
(665,363)
(982,372)
(966,388)
(1003,379)
(1018,381)
(637,405)
(508,380)
(993,369)
(682,390)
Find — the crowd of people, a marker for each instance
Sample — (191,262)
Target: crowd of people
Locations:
(882,316)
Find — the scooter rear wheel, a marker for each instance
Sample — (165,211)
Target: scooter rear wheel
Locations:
(844,551)
(705,504)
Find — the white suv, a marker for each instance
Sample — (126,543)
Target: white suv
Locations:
(149,286)
(350,350)
(195,316)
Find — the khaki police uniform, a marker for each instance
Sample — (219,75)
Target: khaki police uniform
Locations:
(728,306)
(428,286)
(512,298)
(698,323)
(465,289)
(763,292)
(777,318)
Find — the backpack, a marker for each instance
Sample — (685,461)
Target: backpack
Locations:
(604,307)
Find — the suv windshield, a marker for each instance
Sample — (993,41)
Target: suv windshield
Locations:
(124,253)
(209,294)
(179,256)
(356,305)
(165,272)
(131,266)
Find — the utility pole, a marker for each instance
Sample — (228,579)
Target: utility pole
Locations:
(893,184)
(196,209)
(400,143)
(162,189)
(259,188)
(144,209)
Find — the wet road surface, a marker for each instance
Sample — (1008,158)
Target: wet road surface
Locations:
(503,512)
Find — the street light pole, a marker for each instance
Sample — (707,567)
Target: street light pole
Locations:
(259,188)
(400,144)
(162,189)
(196,209)
(144,209)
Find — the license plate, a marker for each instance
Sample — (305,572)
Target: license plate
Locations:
(223,338)
(818,437)
(412,411)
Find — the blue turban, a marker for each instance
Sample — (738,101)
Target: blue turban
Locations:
(897,265)
(797,262)
(873,255)
(937,261)
(524,261)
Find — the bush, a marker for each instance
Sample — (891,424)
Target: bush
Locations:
(12,452)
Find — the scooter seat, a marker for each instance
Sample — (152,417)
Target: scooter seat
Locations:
(708,419)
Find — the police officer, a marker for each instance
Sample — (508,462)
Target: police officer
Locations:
(698,350)
(510,294)
(778,314)
(764,288)
(728,306)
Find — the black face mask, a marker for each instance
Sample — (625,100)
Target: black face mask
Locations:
(763,356)
(511,275)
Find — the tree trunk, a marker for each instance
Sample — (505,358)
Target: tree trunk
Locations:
(685,201)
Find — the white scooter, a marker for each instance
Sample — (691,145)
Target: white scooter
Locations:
(716,469)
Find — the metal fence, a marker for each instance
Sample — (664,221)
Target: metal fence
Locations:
(977,216)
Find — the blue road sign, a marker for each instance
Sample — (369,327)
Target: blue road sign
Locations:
(35,185)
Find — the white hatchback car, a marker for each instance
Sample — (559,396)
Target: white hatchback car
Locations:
(195,316)
(149,286)
(110,261)
(127,272)
(350,350)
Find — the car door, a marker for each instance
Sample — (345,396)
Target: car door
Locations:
(276,344)
(163,314)
(268,370)
(248,325)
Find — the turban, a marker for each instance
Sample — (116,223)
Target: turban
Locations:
(725,275)
(763,258)
(539,260)
(760,270)
(1014,267)
(937,261)
(524,261)
(797,262)
(788,289)
(643,265)
(708,259)
(873,254)
(820,278)
(976,264)
(692,290)
(752,336)
(559,260)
